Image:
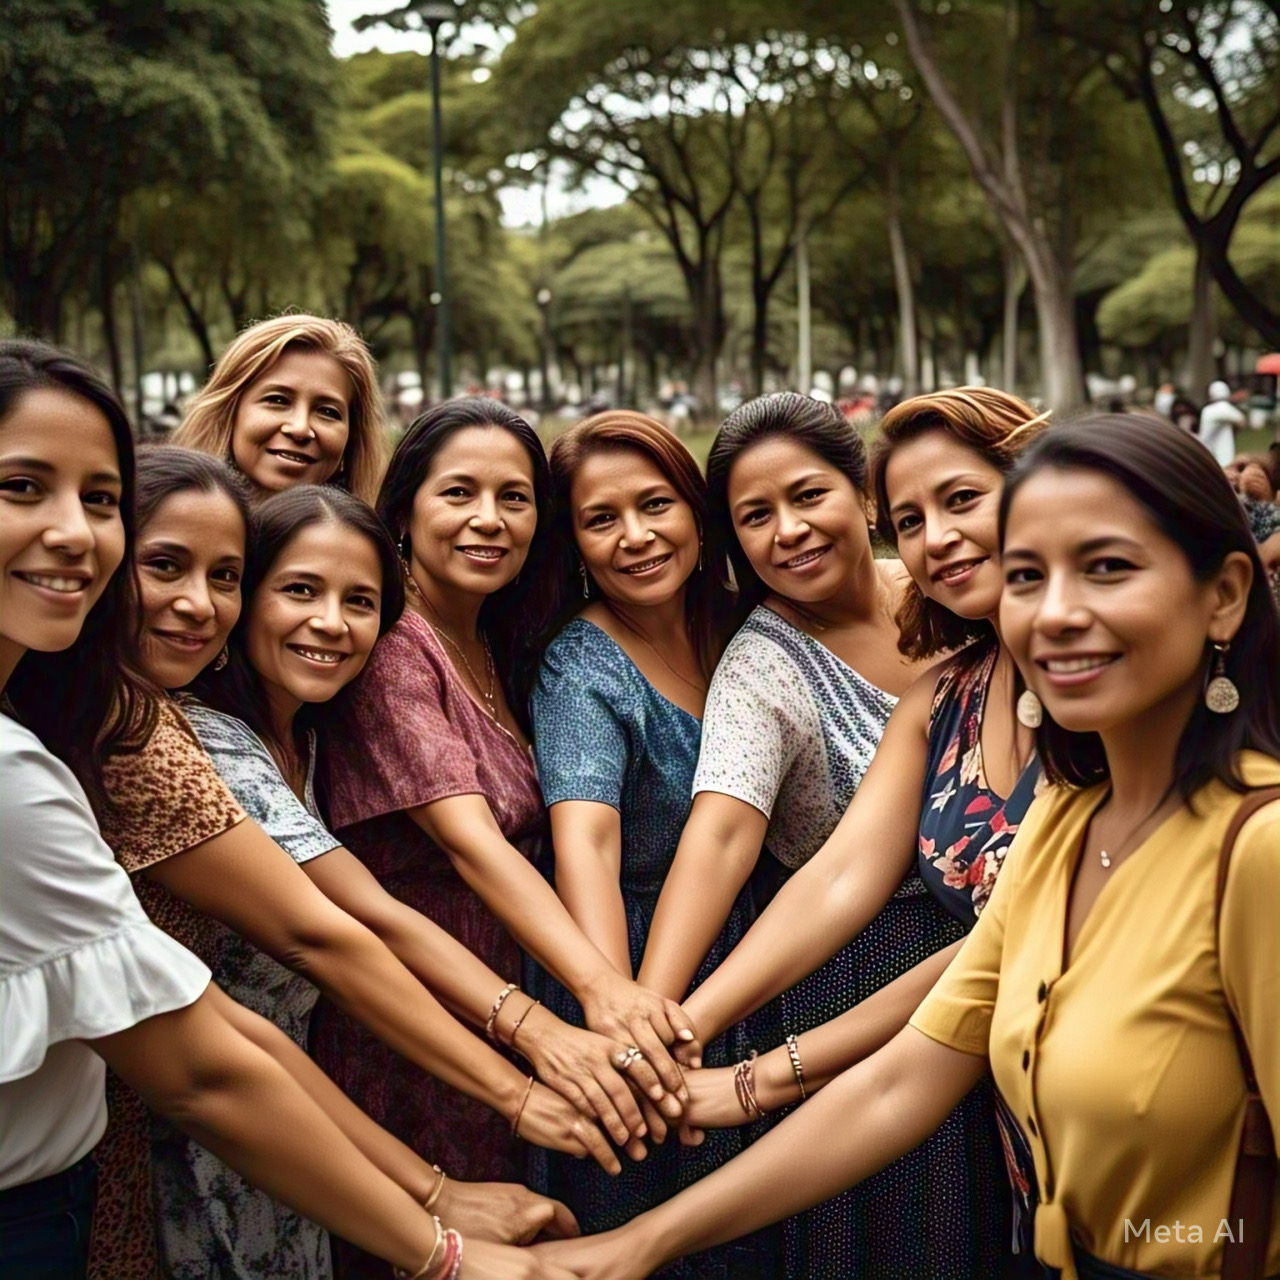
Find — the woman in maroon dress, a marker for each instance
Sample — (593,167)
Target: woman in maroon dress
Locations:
(432,785)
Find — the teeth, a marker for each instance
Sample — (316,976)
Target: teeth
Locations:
(1068,666)
(804,559)
(54,583)
(318,655)
(955,570)
(482,553)
(644,564)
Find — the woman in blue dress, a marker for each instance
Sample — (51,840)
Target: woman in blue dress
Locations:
(616,711)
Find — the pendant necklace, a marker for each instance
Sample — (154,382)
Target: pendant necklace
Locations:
(700,689)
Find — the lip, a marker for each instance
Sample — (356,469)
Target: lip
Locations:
(804,560)
(184,641)
(293,457)
(64,587)
(482,554)
(1071,670)
(644,568)
(315,656)
(958,572)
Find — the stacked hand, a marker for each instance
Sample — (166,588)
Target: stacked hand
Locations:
(502,1212)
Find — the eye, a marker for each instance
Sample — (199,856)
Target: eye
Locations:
(599,521)
(455,491)
(20,487)
(659,504)
(277,398)
(516,496)
(227,579)
(1022,577)
(1109,566)
(906,523)
(810,495)
(303,590)
(103,498)
(755,516)
(332,412)
(362,601)
(961,497)
(161,565)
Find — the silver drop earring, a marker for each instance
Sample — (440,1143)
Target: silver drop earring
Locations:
(1221,695)
(586,582)
(221,660)
(1030,710)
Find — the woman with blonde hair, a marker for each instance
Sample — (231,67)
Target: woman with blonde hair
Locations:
(294,400)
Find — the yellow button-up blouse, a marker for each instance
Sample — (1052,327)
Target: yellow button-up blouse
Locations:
(1121,1065)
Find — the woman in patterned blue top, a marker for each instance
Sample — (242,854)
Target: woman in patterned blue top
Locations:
(616,715)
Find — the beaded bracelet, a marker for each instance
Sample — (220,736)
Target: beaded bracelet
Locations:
(452,1267)
(744,1087)
(442,1242)
(439,1187)
(492,1019)
(793,1052)
(524,1102)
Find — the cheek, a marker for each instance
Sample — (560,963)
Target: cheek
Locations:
(756,544)
(226,614)
(111,547)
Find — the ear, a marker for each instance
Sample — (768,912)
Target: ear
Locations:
(1230,596)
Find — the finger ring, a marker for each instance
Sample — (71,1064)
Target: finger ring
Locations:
(625,1057)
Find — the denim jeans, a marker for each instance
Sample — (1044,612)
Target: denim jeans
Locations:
(44,1225)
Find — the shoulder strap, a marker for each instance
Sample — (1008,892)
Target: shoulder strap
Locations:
(1253,1188)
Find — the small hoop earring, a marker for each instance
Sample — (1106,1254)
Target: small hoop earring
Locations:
(222,659)
(699,555)
(586,581)
(1030,710)
(1221,695)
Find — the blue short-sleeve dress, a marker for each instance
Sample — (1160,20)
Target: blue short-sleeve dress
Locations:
(603,733)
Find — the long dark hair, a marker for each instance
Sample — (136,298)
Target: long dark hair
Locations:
(237,689)
(707,602)
(514,616)
(89,701)
(1176,480)
(997,426)
(168,469)
(818,426)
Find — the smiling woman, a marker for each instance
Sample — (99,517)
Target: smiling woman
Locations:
(293,400)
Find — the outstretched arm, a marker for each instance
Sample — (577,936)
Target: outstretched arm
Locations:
(875,1112)
(465,828)
(842,888)
(244,879)
(718,848)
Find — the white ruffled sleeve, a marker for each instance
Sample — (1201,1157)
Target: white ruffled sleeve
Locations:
(78,957)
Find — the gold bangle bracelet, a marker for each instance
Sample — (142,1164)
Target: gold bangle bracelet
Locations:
(793,1052)
(439,1187)
(524,1102)
(423,1270)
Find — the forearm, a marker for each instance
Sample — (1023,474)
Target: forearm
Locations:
(869,1116)
(209,1080)
(834,1047)
(365,980)
(385,1152)
(813,915)
(592,895)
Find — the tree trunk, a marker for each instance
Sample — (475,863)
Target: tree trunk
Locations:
(107,309)
(1061,379)
(1203,331)
(1015,281)
(908,343)
(804,345)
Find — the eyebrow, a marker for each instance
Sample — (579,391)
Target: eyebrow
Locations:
(1085,548)
(942,486)
(511,481)
(47,468)
(293,391)
(643,496)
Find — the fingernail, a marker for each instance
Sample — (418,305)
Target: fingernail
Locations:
(657,1093)
(641,1131)
(684,1034)
(697,1063)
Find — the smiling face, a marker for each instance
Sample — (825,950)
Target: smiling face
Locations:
(293,422)
(474,514)
(313,620)
(1101,610)
(636,535)
(800,520)
(190,559)
(62,535)
(944,501)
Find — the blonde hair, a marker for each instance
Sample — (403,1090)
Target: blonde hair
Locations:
(997,426)
(210,418)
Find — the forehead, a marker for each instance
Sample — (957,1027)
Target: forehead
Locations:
(61,429)
(925,460)
(774,463)
(314,371)
(483,451)
(198,519)
(615,473)
(1058,508)
(330,550)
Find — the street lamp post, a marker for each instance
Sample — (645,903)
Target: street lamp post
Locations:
(433,15)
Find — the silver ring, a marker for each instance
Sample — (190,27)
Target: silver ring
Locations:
(625,1057)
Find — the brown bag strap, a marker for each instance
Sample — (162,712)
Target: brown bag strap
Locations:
(1253,1189)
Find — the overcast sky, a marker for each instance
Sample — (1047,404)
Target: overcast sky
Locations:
(520,206)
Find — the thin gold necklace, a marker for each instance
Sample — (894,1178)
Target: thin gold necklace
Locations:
(700,689)
(1103,856)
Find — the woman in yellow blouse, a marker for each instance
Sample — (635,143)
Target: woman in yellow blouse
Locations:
(1096,984)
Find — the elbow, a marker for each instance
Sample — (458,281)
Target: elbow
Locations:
(329,952)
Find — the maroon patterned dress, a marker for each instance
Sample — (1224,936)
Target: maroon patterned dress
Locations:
(412,734)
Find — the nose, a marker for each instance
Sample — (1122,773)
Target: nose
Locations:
(1060,609)
(634,533)
(297,426)
(194,602)
(70,531)
(328,619)
(791,526)
(487,519)
(940,535)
